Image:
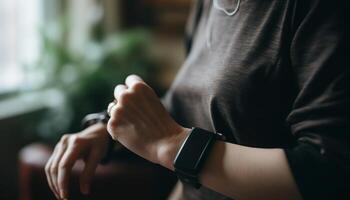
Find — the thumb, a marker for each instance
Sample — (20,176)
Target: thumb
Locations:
(89,171)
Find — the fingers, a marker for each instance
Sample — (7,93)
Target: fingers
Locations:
(89,171)
(128,97)
(110,106)
(119,90)
(65,165)
(61,148)
(131,80)
(136,84)
(48,174)
(58,167)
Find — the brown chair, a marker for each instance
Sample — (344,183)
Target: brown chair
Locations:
(126,177)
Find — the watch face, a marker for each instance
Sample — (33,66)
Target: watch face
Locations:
(193,151)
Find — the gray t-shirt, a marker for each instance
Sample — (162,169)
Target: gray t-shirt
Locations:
(273,75)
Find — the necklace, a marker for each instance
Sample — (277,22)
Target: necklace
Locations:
(226,11)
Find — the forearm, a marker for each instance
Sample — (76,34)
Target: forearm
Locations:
(249,173)
(237,171)
(245,173)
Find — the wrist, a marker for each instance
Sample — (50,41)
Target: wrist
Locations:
(168,150)
(98,128)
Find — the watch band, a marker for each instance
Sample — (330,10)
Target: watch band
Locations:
(95,118)
(192,155)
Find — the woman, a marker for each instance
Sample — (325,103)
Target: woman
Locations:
(270,76)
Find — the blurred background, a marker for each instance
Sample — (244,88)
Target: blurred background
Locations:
(60,60)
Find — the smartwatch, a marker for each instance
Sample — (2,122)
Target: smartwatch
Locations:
(94,118)
(192,155)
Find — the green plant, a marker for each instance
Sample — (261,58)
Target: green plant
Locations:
(87,79)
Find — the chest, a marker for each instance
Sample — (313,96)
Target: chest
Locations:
(236,55)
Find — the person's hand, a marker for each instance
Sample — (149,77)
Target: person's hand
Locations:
(90,144)
(140,122)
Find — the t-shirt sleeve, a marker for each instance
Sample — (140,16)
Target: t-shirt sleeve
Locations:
(320,116)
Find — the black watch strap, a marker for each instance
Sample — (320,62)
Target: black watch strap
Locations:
(192,155)
(94,118)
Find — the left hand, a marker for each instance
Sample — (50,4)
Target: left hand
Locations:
(140,122)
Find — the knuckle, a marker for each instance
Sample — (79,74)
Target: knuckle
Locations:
(65,138)
(117,112)
(126,96)
(53,169)
(120,112)
(112,124)
(140,87)
(75,140)
(63,166)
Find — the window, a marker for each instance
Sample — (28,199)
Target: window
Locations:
(19,39)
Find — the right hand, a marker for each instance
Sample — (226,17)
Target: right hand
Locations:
(90,144)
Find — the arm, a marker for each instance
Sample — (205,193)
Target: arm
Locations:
(318,164)
(250,173)
(237,171)
(243,172)
(141,123)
